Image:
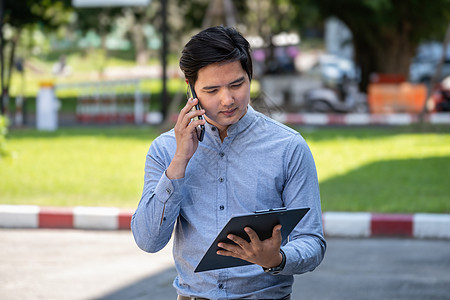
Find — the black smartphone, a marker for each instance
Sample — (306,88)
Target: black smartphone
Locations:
(200,128)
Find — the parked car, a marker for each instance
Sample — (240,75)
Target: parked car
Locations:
(333,69)
(424,64)
(345,98)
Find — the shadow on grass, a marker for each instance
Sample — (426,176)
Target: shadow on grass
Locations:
(395,186)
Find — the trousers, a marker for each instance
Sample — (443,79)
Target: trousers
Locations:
(288,297)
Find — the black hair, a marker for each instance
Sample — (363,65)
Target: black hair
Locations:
(215,45)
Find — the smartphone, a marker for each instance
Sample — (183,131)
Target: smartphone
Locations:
(200,128)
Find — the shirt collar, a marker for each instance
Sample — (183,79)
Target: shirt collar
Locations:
(243,123)
(236,128)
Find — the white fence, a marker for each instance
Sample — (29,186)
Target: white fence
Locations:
(118,101)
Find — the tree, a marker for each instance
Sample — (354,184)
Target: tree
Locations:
(385,33)
(18,15)
(101,20)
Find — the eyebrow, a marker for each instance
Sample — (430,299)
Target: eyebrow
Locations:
(211,87)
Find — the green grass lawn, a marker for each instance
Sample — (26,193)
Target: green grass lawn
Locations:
(377,170)
(98,167)
(391,170)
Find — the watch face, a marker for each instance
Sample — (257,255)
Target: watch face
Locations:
(274,270)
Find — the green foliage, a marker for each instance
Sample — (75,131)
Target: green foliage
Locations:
(3,131)
(51,13)
(100,18)
(424,19)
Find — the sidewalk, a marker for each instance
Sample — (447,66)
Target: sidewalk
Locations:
(336,224)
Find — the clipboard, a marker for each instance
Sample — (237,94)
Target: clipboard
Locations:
(260,221)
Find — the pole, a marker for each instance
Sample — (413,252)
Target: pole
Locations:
(164,96)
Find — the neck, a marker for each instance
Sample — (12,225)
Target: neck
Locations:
(223,130)
(223,133)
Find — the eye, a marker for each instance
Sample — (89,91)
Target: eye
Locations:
(237,85)
(211,91)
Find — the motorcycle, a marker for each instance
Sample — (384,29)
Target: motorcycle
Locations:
(345,99)
(440,98)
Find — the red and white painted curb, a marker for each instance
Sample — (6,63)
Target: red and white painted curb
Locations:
(355,119)
(359,119)
(419,225)
(30,216)
(336,224)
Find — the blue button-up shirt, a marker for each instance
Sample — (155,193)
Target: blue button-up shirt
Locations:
(261,164)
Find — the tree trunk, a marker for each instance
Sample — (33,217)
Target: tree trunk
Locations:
(2,59)
(392,56)
(12,57)
(385,33)
(140,46)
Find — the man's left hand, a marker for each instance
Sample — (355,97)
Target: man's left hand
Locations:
(264,253)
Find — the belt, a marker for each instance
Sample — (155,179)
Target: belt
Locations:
(288,297)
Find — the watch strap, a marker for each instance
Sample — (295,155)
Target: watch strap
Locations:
(277,269)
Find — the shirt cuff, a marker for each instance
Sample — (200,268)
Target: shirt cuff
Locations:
(168,188)
(290,262)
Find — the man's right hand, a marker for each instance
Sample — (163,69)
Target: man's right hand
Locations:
(187,141)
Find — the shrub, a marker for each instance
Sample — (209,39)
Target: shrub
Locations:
(3,131)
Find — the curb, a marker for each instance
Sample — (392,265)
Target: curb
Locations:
(420,225)
(360,119)
(335,224)
(31,216)
(349,119)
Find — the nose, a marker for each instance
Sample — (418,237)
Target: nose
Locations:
(226,97)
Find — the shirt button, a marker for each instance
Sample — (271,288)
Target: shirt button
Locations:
(220,286)
(221,154)
(213,128)
(169,191)
(222,207)
(221,179)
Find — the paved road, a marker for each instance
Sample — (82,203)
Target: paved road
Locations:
(74,264)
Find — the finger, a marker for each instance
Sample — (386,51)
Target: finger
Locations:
(189,121)
(187,110)
(193,115)
(228,247)
(254,238)
(226,253)
(238,240)
(189,104)
(193,126)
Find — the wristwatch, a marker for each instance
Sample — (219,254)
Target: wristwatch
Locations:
(278,269)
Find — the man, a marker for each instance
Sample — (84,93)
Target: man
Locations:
(246,162)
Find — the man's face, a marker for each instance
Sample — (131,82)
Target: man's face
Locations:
(224,92)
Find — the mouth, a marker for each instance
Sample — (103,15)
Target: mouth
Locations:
(229,112)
